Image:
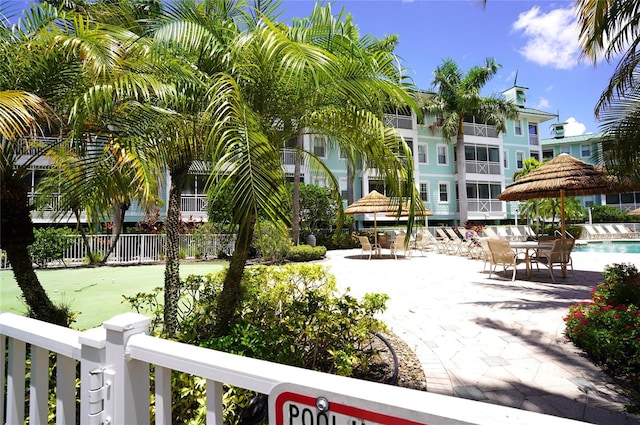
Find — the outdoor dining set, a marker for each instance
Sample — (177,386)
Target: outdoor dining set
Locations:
(507,251)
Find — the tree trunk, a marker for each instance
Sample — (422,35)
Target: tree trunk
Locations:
(295,220)
(350,192)
(172,259)
(120,210)
(231,295)
(16,234)
(462,178)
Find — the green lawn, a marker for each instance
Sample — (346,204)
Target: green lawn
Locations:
(95,292)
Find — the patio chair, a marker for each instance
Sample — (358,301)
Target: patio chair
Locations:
(501,254)
(559,254)
(486,253)
(399,245)
(368,247)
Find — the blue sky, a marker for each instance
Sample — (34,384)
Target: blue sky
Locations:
(535,39)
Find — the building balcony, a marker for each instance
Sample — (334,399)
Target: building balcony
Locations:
(480,130)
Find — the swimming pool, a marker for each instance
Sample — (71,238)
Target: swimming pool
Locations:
(628,247)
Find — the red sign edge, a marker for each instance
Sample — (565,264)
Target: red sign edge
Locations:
(339,408)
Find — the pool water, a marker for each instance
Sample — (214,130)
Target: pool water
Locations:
(627,247)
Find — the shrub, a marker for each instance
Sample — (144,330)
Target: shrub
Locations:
(291,314)
(608,327)
(273,241)
(303,253)
(50,244)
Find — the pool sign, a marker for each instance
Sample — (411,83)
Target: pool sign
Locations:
(296,405)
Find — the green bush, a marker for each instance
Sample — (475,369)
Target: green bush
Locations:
(50,244)
(291,314)
(608,327)
(332,240)
(273,241)
(303,253)
(608,214)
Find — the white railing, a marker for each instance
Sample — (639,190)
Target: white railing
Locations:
(114,377)
(141,248)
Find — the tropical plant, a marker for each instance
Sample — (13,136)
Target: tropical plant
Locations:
(458,98)
(611,30)
(299,85)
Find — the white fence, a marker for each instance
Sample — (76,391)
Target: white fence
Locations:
(141,248)
(114,374)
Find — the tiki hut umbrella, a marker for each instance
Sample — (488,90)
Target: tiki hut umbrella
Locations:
(563,176)
(634,212)
(374,202)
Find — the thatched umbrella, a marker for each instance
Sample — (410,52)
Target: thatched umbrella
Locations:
(374,202)
(420,212)
(563,176)
(634,212)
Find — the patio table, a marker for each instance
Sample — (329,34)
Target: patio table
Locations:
(528,247)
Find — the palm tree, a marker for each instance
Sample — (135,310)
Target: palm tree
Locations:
(458,97)
(610,30)
(298,86)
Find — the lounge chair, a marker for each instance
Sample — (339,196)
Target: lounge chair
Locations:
(529,232)
(423,241)
(448,245)
(461,246)
(486,253)
(517,235)
(502,233)
(559,254)
(592,232)
(603,233)
(501,254)
(399,244)
(490,233)
(628,233)
(368,247)
(614,233)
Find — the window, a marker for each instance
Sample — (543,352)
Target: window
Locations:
(443,190)
(319,147)
(585,151)
(377,185)
(506,158)
(342,154)
(519,159)
(422,154)
(424,192)
(517,130)
(535,155)
(442,155)
(547,154)
(564,149)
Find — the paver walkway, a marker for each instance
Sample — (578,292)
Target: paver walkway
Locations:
(491,339)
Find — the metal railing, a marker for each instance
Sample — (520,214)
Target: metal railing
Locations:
(483,167)
(481,130)
(114,376)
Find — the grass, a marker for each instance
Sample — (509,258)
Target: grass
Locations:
(95,292)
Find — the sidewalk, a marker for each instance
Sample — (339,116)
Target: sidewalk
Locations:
(490,339)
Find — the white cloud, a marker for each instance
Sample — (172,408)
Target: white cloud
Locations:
(551,37)
(543,103)
(573,127)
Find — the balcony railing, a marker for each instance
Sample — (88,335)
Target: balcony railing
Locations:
(534,140)
(399,121)
(478,167)
(288,156)
(113,363)
(480,130)
(485,205)
(193,203)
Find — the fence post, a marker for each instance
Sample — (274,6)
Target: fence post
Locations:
(93,359)
(130,378)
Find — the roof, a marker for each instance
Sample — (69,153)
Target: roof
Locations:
(593,137)
(531,111)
